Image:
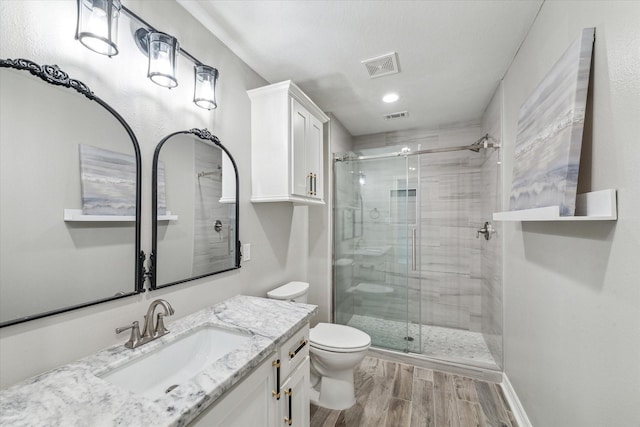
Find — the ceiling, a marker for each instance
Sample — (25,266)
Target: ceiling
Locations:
(451,54)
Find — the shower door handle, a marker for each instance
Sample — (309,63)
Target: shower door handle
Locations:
(413,249)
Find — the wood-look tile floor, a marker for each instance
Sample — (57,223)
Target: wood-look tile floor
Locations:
(390,394)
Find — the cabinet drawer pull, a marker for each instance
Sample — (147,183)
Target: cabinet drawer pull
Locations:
(289,419)
(276,393)
(293,354)
(310,187)
(315,184)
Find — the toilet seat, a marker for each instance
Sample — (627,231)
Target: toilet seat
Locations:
(338,338)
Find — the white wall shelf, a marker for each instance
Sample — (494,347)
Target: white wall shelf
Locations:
(76,215)
(594,206)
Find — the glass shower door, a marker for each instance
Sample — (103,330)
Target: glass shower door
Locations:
(375,226)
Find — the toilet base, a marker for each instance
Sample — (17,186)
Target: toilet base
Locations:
(335,392)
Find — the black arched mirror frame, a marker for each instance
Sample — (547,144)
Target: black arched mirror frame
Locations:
(207,137)
(53,75)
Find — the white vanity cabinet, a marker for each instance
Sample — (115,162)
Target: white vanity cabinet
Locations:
(294,380)
(249,403)
(287,137)
(294,403)
(275,394)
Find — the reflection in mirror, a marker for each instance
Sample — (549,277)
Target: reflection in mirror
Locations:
(195,202)
(52,257)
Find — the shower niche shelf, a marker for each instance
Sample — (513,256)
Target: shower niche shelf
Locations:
(76,215)
(593,206)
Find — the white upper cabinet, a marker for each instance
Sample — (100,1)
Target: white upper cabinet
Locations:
(287,159)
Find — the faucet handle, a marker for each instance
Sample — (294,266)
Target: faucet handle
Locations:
(134,339)
(160,329)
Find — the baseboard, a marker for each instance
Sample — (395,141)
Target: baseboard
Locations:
(422,361)
(514,403)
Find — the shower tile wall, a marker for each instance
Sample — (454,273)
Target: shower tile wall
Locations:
(450,211)
(210,248)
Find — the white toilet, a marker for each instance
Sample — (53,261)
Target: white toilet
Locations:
(335,351)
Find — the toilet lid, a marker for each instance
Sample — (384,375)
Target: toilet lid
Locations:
(338,338)
(289,291)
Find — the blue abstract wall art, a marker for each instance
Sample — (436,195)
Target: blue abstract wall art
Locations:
(550,128)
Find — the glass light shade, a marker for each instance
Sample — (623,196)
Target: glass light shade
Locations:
(204,92)
(162,59)
(97,25)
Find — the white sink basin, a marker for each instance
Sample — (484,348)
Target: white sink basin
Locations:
(170,365)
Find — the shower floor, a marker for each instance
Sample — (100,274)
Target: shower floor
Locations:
(442,343)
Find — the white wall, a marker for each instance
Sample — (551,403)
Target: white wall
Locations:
(43,31)
(572,290)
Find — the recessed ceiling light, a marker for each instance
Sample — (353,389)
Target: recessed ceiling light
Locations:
(390,97)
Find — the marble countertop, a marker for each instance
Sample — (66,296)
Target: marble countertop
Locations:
(72,395)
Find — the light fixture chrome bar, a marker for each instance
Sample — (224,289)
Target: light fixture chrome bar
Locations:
(480,144)
(150,27)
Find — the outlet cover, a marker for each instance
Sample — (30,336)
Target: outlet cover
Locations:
(246,251)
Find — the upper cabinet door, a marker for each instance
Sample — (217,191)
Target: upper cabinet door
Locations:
(300,171)
(314,158)
(286,145)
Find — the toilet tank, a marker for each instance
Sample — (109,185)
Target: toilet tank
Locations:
(292,291)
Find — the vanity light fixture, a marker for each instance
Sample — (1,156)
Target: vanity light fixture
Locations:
(204,92)
(97,25)
(97,28)
(390,97)
(162,58)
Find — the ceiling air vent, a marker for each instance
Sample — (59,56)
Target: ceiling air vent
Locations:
(398,115)
(382,65)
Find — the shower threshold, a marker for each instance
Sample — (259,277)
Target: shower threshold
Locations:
(438,343)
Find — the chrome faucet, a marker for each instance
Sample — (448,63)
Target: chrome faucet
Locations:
(156,330)
(150,330)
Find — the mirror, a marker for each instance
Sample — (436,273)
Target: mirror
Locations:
(69,196)
(195,209)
